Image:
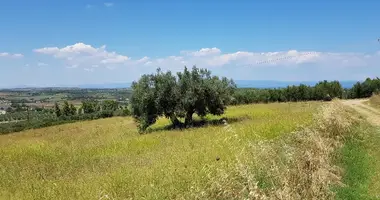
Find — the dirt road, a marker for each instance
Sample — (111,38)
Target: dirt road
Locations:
(372,114)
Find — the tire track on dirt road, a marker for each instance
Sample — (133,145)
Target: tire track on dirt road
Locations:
(372,114)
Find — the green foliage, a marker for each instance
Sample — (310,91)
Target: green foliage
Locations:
(365,89)
(143,101)
(163,94)
(322,91)
(90,106)
(73,109)
(110,105)
(57,110)
(68,113)
(66,109)
(49,120)
(126,112)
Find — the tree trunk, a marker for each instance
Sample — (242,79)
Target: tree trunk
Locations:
(176,123)
(188,118)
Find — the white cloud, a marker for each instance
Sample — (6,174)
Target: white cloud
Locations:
(213,57)
(83,54)
(233,64)
(89,69)
(9,55)
(109,4)
(143,60)
(148,63)
(17,55)
(72,66)
(203,52)
(115,59)
(41,64)
(89,56)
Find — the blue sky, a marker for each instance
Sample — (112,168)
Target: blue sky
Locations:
(47,43)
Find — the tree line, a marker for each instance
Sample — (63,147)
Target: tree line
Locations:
(91,108)
(66,113)
(323,90)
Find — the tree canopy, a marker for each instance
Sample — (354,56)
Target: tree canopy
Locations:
(174,97)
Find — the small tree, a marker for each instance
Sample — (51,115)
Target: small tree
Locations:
(143,102)
(80,110)
(73,109)
(110,105)
(90,106)
(57,110)
(66,109)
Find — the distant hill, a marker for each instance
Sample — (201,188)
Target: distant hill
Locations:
(106,85)
(239,83)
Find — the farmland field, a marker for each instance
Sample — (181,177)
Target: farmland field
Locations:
(92,159)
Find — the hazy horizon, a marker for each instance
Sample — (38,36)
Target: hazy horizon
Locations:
(240,84)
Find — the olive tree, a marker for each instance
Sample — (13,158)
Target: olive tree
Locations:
(163,94)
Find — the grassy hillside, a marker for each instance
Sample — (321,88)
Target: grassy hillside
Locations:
(107,157)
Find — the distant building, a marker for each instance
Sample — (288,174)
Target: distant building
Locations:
(3,112)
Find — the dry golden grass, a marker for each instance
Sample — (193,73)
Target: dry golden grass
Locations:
(296,166)
(108,158)
(375,101)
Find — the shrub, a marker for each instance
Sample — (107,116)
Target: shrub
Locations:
(327,98)
(105,114)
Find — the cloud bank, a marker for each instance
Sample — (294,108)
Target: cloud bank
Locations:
(82,63)
(87,56)
(83,54)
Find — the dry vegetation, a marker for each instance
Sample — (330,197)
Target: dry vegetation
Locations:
(296,166)
(375,101)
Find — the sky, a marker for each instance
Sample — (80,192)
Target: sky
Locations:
(71,42)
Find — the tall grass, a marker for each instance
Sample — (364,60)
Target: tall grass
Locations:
(108,159)
(375,100)
(295,166)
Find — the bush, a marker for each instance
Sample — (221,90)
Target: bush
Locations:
(105,114)
(327,98)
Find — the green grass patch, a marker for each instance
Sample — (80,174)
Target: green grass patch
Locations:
(360,159)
